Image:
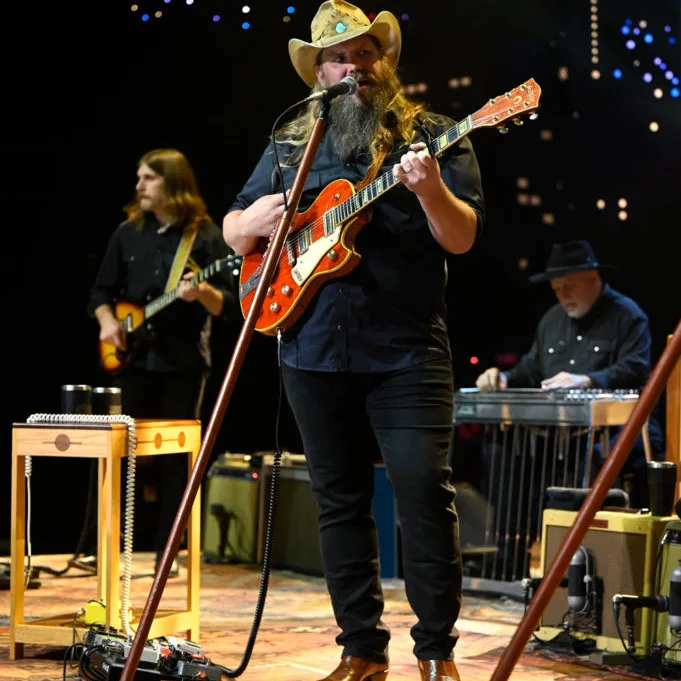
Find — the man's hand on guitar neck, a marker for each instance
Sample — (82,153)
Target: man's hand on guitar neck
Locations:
(452,221)
(210,297)
(417,170)
(110,329)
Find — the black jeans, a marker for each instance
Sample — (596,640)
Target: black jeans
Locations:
(347,422)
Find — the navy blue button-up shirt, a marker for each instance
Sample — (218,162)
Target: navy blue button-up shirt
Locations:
(610,344)
(135,269)
(389,312)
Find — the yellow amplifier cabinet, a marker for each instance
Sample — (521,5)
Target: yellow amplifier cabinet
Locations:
(625,547)
(670,558)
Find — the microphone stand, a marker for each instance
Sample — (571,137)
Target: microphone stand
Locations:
(270,261)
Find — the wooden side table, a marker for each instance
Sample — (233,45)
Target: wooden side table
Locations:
(108,443)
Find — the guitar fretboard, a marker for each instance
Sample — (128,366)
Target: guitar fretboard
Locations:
(301,240)
(168,297)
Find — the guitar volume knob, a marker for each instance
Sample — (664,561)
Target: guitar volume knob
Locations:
(286,290)
(270,291)
(275,307)
(332,255)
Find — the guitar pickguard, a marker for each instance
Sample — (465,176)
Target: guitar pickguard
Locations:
(307,263)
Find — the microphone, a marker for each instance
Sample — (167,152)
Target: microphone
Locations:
(576,581)
(346,86)
(675,599)
(659,603)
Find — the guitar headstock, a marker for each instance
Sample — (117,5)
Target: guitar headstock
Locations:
(512,105)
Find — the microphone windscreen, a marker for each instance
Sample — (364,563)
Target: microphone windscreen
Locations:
(576,584)
(675,599)
(352,84)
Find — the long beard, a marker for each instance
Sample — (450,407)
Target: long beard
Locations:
(353,124)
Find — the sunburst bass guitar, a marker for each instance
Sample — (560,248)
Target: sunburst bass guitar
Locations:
(132,317)
(320,243)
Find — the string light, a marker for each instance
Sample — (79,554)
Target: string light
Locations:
(639,37)
(593,9)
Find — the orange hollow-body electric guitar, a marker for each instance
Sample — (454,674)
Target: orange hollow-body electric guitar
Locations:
(320,243)
(132,317)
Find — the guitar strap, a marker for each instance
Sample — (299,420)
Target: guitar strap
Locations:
(181,255)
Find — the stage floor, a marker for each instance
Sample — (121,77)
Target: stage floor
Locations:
(295,641)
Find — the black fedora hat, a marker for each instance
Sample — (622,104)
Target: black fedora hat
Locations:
(567,258)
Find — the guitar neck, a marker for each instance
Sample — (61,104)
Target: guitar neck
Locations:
(522,100)
(158,304)
(357,202)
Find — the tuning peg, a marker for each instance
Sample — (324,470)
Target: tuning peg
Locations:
(534,116)
(502,129)
(518,121)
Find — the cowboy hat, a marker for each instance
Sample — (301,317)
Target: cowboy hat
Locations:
(335,22)
(567,258)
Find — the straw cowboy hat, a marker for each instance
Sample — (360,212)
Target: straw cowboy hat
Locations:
(567,258)
(335,22)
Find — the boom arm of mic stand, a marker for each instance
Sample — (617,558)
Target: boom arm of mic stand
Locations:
(196,476)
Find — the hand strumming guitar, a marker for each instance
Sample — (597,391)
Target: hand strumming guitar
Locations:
(246,227)
(110,329)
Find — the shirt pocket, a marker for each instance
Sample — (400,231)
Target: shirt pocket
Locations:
(599,348)
(555,350)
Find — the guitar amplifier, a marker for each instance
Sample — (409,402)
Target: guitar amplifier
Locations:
(296,531)
(670,558)
(230,509)
(625,547)
(295,544)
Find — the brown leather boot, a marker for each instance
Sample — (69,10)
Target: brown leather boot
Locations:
(358,669)
(438,670)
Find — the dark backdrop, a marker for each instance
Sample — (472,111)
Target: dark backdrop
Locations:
(88,89)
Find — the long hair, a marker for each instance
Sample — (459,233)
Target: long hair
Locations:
(185,202)
(395,129)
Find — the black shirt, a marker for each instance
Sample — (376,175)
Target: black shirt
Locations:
(390,311)
(135,268)
(610,344)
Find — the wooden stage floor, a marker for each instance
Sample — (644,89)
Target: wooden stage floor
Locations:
(296,637)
